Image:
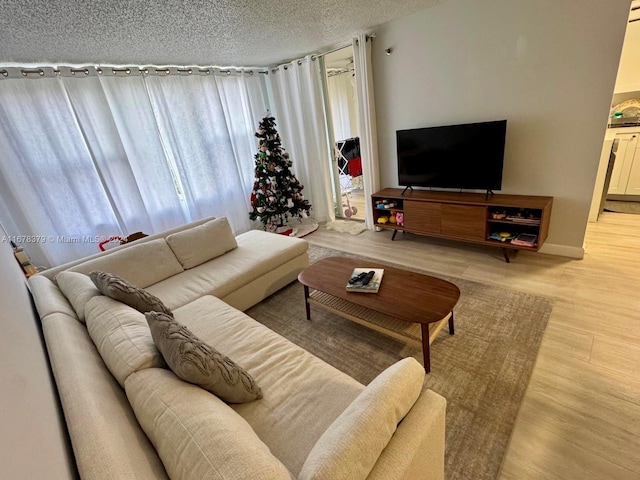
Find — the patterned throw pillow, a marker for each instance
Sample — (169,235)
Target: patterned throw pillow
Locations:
(196,362)
(118,288)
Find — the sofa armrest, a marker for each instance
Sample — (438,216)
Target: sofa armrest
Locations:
(416,449)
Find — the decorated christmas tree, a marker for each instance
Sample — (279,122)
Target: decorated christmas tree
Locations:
(277,193)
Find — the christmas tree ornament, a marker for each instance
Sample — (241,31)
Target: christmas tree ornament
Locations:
(276,194)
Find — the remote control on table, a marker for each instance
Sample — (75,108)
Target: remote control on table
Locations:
(357,278)
(368,277)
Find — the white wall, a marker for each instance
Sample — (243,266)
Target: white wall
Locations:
(33,439)
(547,66)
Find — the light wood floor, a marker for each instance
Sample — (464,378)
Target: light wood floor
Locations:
(580,418)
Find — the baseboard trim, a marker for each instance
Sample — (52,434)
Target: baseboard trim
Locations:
(562,250)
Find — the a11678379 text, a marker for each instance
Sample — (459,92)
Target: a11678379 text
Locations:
(27,239)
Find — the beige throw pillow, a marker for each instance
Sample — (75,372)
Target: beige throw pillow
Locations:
(196,362)
(200,244)
(350,447)
(119,289)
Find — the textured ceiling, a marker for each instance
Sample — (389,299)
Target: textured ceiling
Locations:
(184,32)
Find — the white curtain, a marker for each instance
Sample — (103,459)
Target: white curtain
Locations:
(100,132)
(51,191)
(366,121)
(342,102)
(210,149)
(116,118)
(297,103)
(106,155)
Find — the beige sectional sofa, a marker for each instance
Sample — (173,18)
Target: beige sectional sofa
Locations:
(130,417)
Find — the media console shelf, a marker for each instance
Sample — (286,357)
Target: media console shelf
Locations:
(510,222)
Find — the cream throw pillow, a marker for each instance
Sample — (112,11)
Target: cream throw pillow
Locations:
(142,264)
(350,447)
(198,436)
(196,362)
(78,288)
(119,289)
(122,336)
(200,244)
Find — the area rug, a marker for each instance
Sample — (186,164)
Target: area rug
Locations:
(347,226)
(483,370)
(621,206)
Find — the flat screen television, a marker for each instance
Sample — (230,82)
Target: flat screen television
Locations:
(468,156)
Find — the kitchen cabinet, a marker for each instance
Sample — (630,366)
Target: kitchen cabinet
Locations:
(633,184)
(625,177)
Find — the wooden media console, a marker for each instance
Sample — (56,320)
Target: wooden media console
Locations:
(495,219)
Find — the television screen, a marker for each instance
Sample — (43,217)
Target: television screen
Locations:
(468,156)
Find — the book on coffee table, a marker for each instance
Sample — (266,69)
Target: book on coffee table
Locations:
(372,287)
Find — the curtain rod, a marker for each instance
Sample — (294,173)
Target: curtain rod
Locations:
(334,49)
(340,47)
(314,56)
(17,71)
(337,72)
(113,70)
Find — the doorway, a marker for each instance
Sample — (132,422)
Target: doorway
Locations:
(617,186)
(346,161)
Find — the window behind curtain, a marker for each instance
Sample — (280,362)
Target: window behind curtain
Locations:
(87,158)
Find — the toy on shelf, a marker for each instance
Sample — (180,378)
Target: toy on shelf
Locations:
(385,204)
(383,220)
(501,236)
(392,218)
(400,219)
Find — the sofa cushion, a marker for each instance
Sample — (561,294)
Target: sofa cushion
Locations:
(302,395)
(199,244)
(258,253)
(350,447)
(197,435)
(122,336)
(108,442)
(78,288)
(142,265)
(196,362)
(119,289)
